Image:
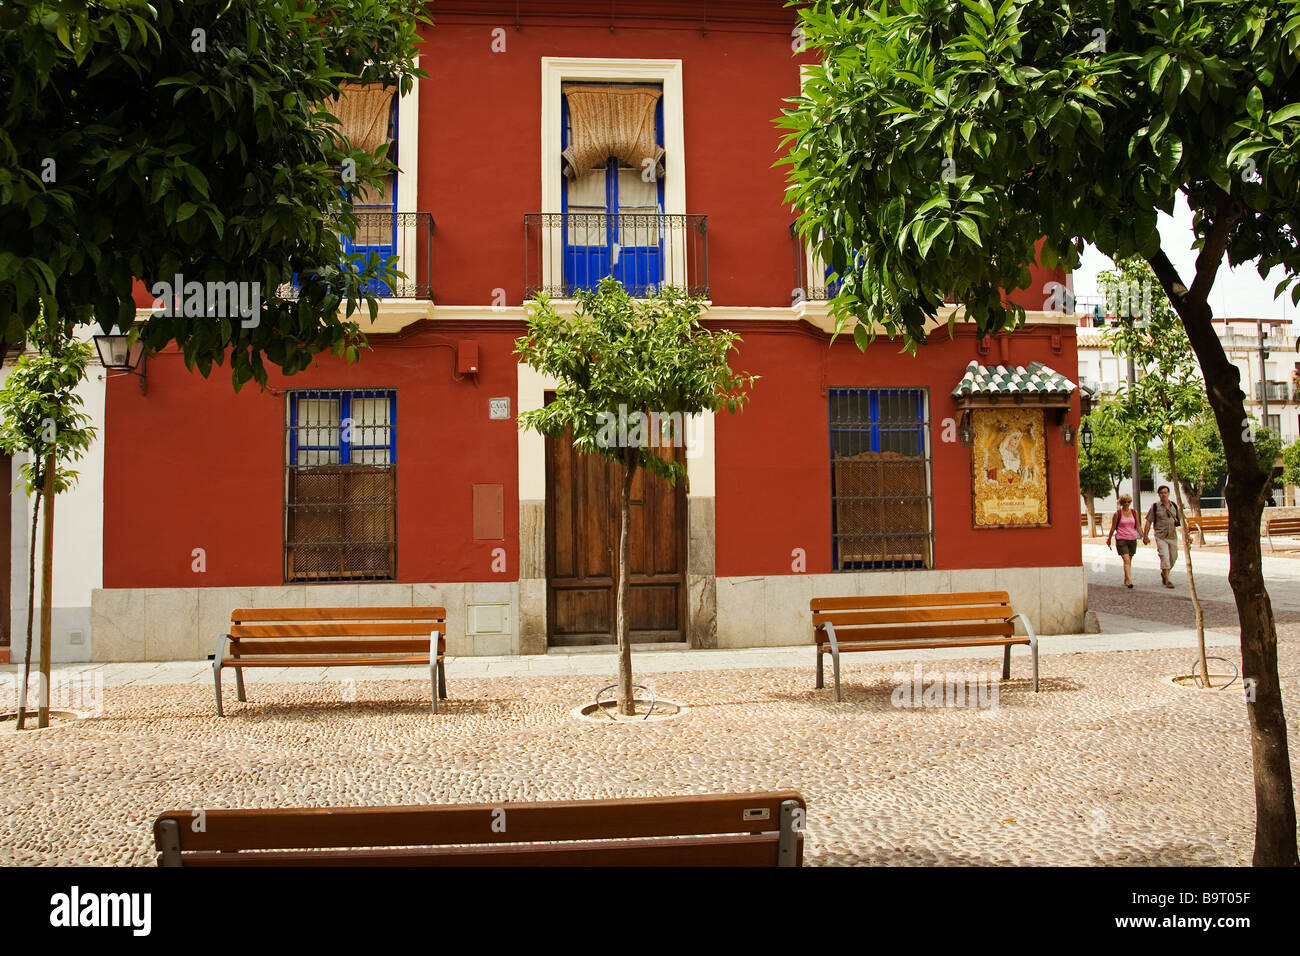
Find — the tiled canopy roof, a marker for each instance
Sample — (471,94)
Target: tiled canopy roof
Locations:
(998,380)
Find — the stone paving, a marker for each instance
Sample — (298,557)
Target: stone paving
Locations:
(1108,764)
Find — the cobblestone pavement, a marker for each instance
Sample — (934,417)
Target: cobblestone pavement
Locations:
(1109,764)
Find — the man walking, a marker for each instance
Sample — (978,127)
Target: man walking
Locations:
(1164,515)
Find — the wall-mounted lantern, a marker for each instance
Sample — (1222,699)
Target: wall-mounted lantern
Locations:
(119,354)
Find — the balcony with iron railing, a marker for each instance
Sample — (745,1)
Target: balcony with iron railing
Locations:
(812,277)
(405,237)
(568,252)
(1277,392)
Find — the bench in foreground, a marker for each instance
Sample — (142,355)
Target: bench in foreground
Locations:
(758,829)
(332,637)
(908,621)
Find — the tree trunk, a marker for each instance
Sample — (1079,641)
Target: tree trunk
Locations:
(1187,555)
(1247,486)
(621,623)
(47,594)
(1092,515)
(1194,504)
(31,612)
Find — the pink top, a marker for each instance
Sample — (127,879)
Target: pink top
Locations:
(1127,528)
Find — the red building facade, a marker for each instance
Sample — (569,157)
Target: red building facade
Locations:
(216,500)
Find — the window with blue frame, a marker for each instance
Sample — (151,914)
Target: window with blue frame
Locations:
(376,208)
(613,218)
(341,485)
(881,499)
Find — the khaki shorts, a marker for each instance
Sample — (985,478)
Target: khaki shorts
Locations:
(1167,548)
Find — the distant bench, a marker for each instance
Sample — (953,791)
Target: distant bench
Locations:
(1209,524)
(757,829)
(333,637)
(1288,527)
(907,621)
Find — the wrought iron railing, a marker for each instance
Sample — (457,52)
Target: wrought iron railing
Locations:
(568,252)
(405,236)
(1277,391)
(812,282)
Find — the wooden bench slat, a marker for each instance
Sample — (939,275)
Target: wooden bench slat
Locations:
(334,660)
(874,601)
(630,818)
(916,645)
(739,850)
(338,630)
(904,615)
(938,631)
(396,613)
(308,645)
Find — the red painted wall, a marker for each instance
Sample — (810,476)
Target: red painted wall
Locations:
(480,148)
(773,459)
(193,465)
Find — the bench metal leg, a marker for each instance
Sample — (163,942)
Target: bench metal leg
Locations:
(821,677)
(1033,647)
(1006,662)
(835,657)
(216,671)
(239,684)
(169,834)
(442,679)
(787,846)
(433,687)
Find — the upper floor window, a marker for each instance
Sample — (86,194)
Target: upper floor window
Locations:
(881,498)
(340,485)
(613,188)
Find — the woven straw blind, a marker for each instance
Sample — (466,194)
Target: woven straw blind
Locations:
(363,113)
(612,120)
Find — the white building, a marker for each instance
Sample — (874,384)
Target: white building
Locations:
(1103,372)
(78,542)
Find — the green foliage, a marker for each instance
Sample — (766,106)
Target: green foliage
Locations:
(1268,447)
(1109,460)
(1291,464)
(40,411)
(936,143)
(642,355)
(146,139)
(1169,394)
(1199,456)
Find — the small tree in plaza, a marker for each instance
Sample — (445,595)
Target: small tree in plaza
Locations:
(1291,464)
(1200,461)
(617,361)
(1167,396)
(41,417)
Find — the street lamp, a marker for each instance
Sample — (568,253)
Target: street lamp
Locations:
(1085,437)
(118,353)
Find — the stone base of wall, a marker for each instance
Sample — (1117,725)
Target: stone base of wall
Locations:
(171,624)
(773,610)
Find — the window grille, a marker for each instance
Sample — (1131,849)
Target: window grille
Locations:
(340,485)
(881,497)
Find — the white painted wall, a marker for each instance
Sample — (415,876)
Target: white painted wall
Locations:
(78,540)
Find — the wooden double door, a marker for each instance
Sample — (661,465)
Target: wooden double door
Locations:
(582,528)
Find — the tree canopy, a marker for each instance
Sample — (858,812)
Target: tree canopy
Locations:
(150,138)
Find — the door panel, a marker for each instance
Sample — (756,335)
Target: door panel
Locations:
(582,526)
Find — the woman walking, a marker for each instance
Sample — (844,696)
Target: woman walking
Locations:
(1124,529)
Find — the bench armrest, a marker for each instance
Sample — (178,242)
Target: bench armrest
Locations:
(829,628)
(1029,628)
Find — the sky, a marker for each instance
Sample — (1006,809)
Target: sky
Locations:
(1237,293)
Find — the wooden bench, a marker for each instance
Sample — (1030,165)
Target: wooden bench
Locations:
(333,637)
(1282,526)
(760,829)
(907,621)
(1208,524)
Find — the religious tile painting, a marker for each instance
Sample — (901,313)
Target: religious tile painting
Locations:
(1009,467)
